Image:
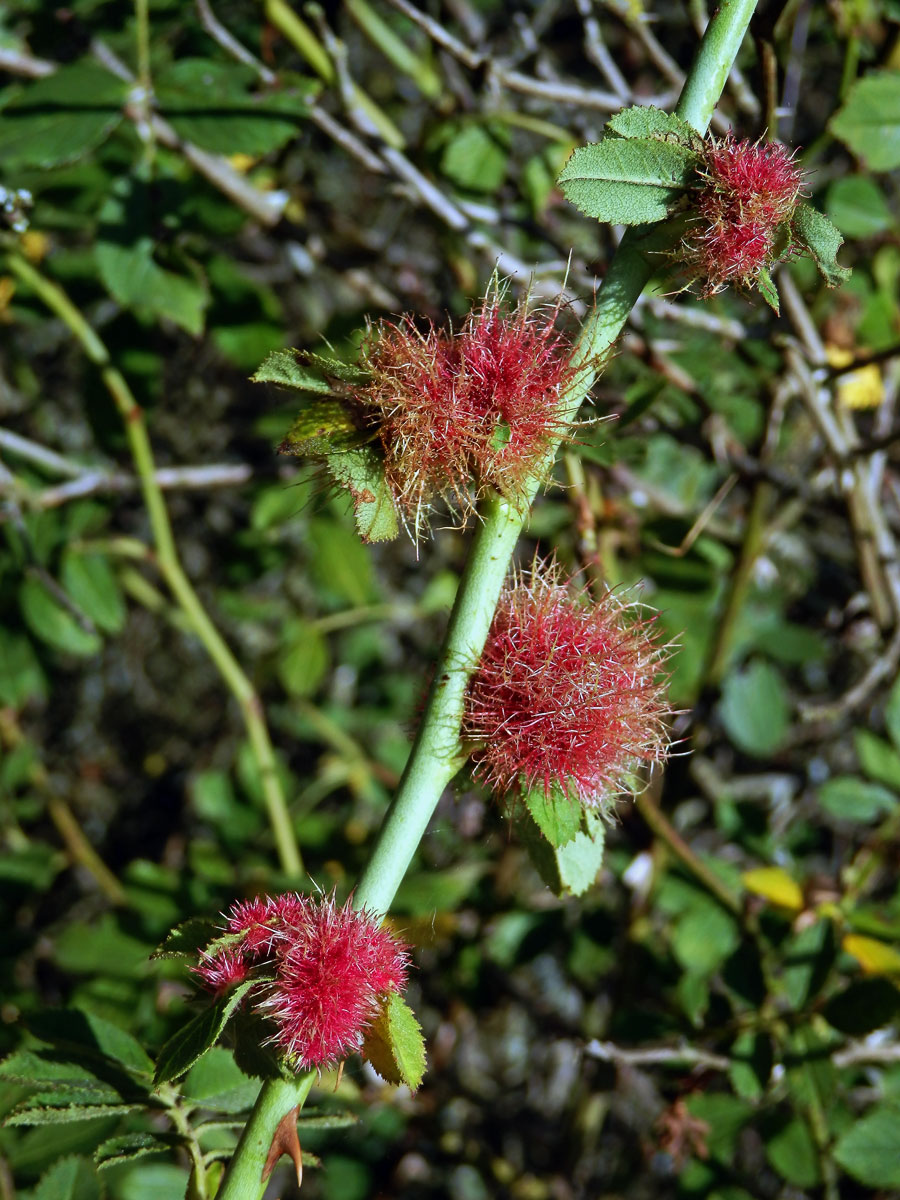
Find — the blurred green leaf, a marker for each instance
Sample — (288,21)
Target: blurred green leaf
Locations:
(475,157)
(126,252)
(21,677)
(54,624)
(755,708)
(792,1152)
(869,1149)
(853,799)
(211,104)
(869,122)
(69,1179)
(62,117)
(877,758)
(857,206)
(863,1006)
(303,660)
(91,582)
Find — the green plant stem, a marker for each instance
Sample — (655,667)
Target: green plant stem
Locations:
(395,50)
(754,541)
(243,1180)
(169,563)
(436,754)
(302,38)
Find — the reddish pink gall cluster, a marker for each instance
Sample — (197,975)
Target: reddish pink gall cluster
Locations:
(322,972)
(745,206)
(461,412)
(568,693)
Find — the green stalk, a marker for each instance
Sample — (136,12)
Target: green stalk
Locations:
(436,755)
(243,1180)
(395,50)
(169,563)
(302,38)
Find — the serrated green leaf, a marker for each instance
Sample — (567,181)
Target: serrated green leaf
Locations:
(65,1114)
(361,471)
(394,1044)
(130,1146)
(91,1036)
(72,1081)
(211,104)
(580,860)
(52,623)
(282,367)
(187,939)
(869,1149)
(627,181)
(768,290)
(92,585)
(323,425)
(333,1120)
(69,1179)
(58,119)
(869,121)
(557,815)
(816,234)
(335,367)
(649,122)
(191,1042)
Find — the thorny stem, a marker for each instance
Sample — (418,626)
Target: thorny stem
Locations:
(436,754)
(169,563)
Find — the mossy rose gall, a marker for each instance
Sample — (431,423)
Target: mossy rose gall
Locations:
(568,694)
(462,412)
(322,972)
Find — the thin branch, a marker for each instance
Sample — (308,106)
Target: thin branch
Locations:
(230,44)
(672,1056)
(18,62)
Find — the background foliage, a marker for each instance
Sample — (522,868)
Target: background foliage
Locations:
(717,1016)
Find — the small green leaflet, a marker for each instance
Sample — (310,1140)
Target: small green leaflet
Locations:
(394,1044)
(186,939)
(818,236)
(64,1114)
(572,868)
(768,290)
(129,1146)
(627,181)
(282,367)
(649,122)
(556,815)
(360,470)
(323,424)
(192,1041)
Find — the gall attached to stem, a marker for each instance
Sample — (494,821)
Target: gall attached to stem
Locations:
(461,412)
(744,210)
(568,693)
(322,972)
